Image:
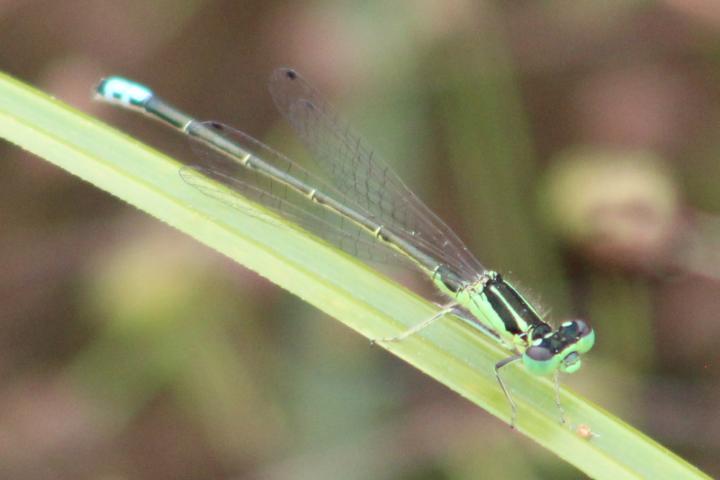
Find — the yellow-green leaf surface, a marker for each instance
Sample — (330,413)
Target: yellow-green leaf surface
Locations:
(349,291)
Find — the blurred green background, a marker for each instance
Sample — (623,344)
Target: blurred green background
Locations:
(573,145)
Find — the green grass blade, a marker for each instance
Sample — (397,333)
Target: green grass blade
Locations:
(340,286)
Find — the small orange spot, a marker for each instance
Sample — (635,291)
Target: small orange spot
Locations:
(584,431)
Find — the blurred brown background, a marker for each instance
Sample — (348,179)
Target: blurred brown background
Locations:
(574,145)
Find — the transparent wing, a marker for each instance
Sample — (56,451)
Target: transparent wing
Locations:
(222,178)
(365,180)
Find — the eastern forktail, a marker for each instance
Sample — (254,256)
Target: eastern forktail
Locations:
(371,209)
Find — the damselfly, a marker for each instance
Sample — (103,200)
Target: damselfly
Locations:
(367,208)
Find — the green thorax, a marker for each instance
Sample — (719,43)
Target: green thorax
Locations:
(499,307)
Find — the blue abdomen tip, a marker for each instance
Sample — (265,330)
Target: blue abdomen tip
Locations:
(122,90)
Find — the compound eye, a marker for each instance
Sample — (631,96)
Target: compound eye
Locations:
(538,353)
(583,328)
(576,328)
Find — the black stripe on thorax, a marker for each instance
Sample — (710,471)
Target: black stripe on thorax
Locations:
(511,306)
